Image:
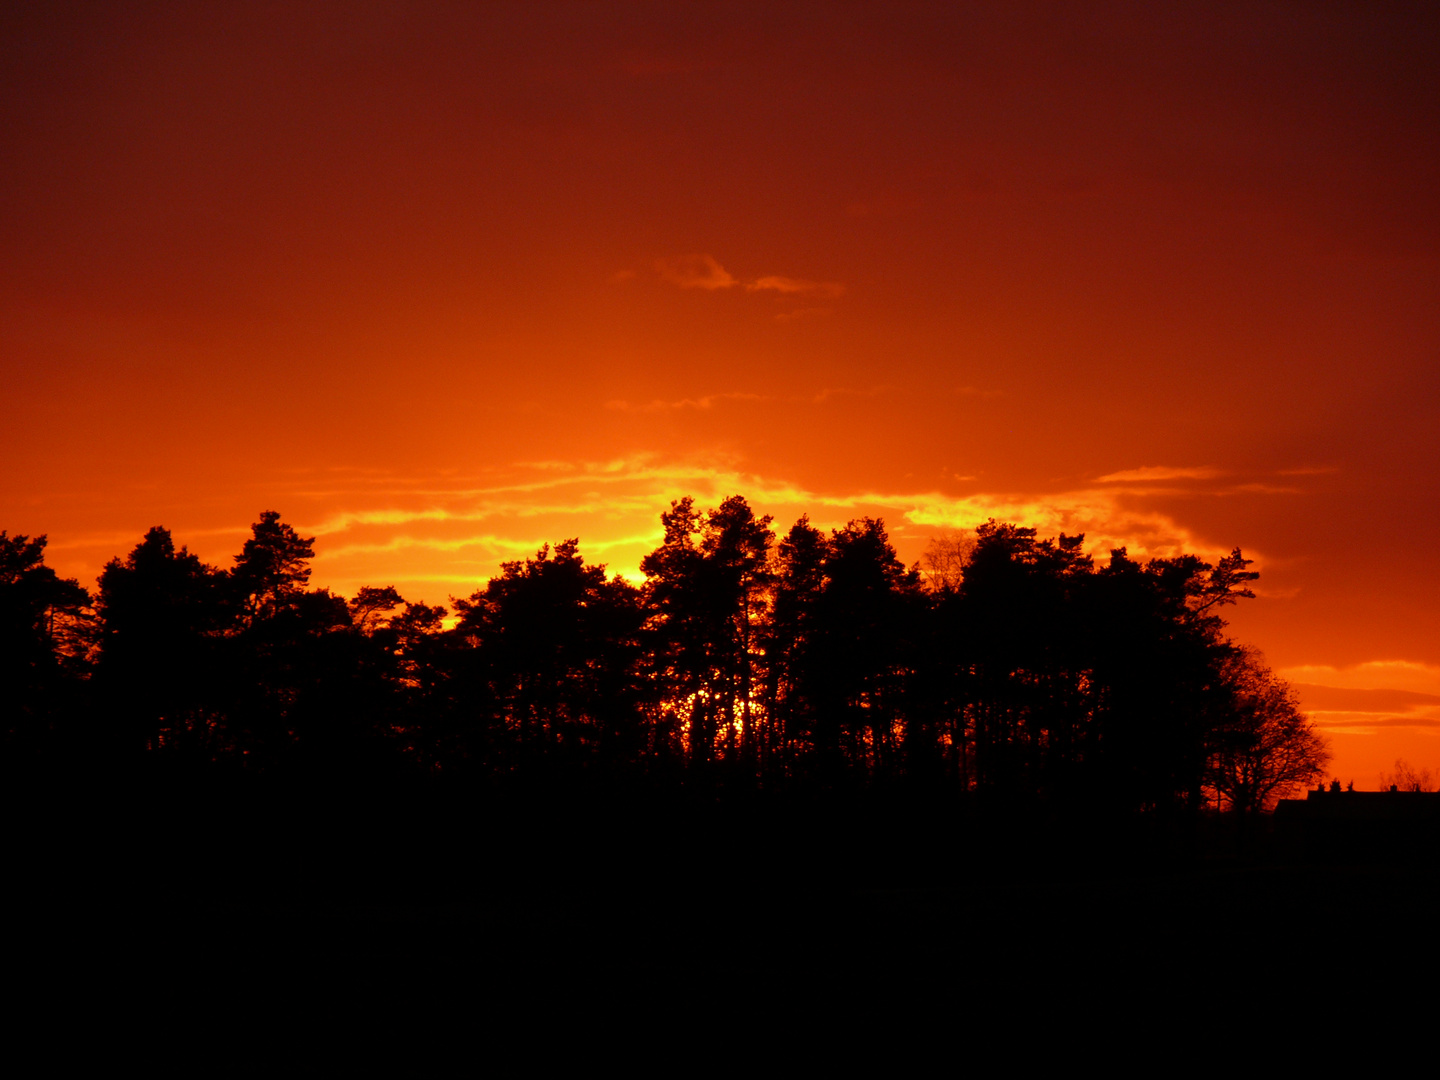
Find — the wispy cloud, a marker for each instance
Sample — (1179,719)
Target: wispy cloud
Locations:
(1261,489)
(1410,675)
(1159,472)
(561,466)
(695,272)
(1364,699)
(829,289)
(700,271)
(845,391)
(349,518)
(706,402)
(1112,516)
(1153,474)
(1106,520)
(645,485)
(114,541)
(454,530)
(1376,700)
(1362,723)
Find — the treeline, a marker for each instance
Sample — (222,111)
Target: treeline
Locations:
(1012,668)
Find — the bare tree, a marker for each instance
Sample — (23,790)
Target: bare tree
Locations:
(1407,777)
(1264,747)
(944,560)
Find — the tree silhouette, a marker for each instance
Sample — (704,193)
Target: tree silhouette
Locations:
(548,671)
(866,612)
(292,661)
(1023,677)
(273,566)
(1018,624)
(1157,650)
(368,609)
(1263,747)
(161,611)
(706,586)
(793,683)
(736,546)
(44,638)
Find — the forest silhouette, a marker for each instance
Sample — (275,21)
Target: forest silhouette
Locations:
(1010,672)
(785,754)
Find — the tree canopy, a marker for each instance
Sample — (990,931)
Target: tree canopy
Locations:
(1018,669)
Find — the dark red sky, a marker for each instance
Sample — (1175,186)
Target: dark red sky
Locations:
(444,282)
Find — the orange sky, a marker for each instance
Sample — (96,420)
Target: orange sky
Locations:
(444,282)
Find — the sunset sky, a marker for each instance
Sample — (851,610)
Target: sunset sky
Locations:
(444,282)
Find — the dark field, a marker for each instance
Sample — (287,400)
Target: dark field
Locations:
(696,921)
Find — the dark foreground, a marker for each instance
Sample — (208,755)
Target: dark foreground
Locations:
(691,923)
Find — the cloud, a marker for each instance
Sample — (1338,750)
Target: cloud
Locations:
(1263,489)
(1159,472)
(126,541)
(506,547)
(700,271)
(1409,675)
(705,402)
(1099,514)
(829,289)
(456,529)
(1363,699)
(1153,473)
(695,272)
(645,484)
(1371,700)
(349,518)
(1360,723)
(845,391)
(561,466)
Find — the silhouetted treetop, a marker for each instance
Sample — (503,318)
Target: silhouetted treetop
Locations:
(157,590)
(44,638)
(1263,748)
(370,606)
(33,594)
(273,566)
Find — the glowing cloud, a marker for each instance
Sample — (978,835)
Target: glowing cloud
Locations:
(1158,472)
(458,533)
(1373,675)
(1365,699)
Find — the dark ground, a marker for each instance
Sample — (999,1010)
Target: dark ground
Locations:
(262,918)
